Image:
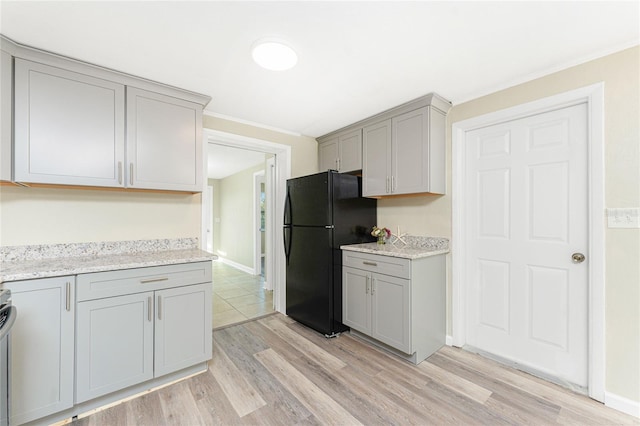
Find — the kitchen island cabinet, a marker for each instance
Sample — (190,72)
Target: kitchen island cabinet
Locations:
(41,358)
(399,303)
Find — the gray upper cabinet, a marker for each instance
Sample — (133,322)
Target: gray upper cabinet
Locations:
(401,151)
(414,147)
(69,127)
(79,124)
(328,153)
(164,143)
(6,115)
(376,148)
(342,152)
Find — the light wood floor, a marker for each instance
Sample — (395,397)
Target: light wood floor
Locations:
(273,371)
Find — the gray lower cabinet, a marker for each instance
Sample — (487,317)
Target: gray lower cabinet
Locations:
(395,301)
(41,358)
(139,324)
(114,344)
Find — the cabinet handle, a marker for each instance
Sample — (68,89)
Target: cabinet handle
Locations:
(338,163)
(366,291)
(131,174)
(159,307)
(364,262)
(68,297)
(150,309)
(119,172)
(393,184)
(154,280)
(373,286)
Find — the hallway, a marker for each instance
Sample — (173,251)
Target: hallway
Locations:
(238,296)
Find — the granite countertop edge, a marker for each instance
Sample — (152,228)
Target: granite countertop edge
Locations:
(17,270)
(407,252)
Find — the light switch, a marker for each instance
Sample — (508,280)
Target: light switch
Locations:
(624,218)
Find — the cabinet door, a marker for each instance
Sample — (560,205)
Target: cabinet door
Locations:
(41,357)
(376,161)
(6,115)
(328,153)
(164,142)
(69,127)
(183,327)
(410,153)
(114,344)
(391,311)
(356,301)
(350,157)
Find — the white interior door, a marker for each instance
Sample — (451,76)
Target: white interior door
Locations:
(526,215)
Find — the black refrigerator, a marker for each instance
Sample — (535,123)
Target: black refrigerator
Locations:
(322,212)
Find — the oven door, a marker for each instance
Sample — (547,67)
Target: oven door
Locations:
(8,315)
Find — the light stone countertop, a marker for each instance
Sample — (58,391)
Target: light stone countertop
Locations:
(25,262)
(416,247)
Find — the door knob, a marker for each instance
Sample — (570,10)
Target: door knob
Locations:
(577,257)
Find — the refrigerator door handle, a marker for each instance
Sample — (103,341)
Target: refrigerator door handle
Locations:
(287,209)
(286,242)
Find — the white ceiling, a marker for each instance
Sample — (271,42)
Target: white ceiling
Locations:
(225,161)
(355,58)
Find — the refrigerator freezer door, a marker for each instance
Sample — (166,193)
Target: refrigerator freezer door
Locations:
(310,278)
(308,201)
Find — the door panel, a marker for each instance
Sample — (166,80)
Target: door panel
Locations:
(356,308)
(527,300)
(310,277)
(309,201)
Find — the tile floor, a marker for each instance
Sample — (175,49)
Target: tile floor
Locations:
(238,296)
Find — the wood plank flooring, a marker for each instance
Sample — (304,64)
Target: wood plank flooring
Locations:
(274,371)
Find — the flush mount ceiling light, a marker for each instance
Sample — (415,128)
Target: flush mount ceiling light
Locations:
(274,55)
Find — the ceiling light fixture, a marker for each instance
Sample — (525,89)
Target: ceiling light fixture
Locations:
(274,55)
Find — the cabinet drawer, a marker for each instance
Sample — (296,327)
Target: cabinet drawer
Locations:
(129,281)
(394,266)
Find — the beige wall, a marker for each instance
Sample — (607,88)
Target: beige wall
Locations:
(52,215)
(304,149)
(431,215)
(237,217)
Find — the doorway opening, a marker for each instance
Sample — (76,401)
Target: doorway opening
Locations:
(240,244)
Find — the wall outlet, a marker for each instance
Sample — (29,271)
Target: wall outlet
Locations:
(624,218)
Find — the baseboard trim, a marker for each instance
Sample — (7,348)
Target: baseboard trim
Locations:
(238,266)
(622,404)
(448,340)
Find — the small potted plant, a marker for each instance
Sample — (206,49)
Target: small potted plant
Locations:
(381,234)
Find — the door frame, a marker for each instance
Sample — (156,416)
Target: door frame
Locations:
(258,178)
(593,96)
(282,172)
